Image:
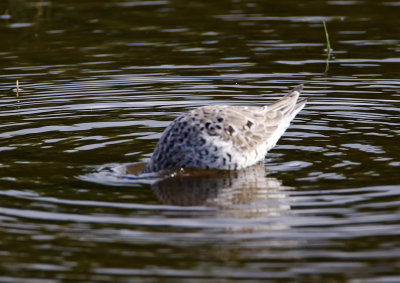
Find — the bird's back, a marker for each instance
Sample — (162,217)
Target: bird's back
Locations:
(224,137)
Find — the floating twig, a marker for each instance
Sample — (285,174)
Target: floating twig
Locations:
(328,48)
(17,88)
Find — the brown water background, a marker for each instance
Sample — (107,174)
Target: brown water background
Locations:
(99,81)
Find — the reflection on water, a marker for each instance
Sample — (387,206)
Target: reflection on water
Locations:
(245,193)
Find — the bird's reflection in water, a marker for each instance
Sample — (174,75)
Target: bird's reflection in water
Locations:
(245,193)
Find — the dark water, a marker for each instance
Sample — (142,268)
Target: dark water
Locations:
(101,79)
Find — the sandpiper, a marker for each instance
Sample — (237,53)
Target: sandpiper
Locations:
(224,137)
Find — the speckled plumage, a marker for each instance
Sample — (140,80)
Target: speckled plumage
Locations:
(224,137)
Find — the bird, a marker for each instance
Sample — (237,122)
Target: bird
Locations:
(224,137)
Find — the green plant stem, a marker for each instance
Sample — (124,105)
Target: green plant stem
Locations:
(328,44)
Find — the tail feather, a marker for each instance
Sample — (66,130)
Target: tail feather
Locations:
(299,105)
(287,104)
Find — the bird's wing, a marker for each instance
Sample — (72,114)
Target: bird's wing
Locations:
(249,127)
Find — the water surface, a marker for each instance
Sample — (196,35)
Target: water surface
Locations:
(100,81)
